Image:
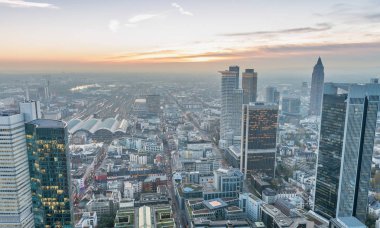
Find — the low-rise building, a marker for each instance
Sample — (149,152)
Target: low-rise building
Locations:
(273,217)
(250,204)
(88,220)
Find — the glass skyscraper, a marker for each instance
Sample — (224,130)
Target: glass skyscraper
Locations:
(231,103)
(15,195)
(236,70)
(249,86)
(50,173)
(348,124)
(259,138)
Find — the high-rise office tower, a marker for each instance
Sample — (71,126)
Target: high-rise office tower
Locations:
(249,86)
(235,69)
(272,95)
(259,138)
(31,110)
(317,80)
(231,102)
(15,194)
(348,124)
(50,172)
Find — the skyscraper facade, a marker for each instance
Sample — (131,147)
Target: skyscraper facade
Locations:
(15,194)
(31,110)
(259,138)
(348,124)
(231,103)
(249,86)
(50,172)
(317,80)
(236,70)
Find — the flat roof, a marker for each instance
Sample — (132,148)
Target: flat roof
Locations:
(351,222)
(140,100)
(215,203)
(44,123)
(145,218)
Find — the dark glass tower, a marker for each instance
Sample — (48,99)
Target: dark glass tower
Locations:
(317,80)
(249,86)
(348,124)
(50,172)
(259,137)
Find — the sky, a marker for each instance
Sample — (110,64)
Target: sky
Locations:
(193,36)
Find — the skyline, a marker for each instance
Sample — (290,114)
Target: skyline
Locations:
(177,36)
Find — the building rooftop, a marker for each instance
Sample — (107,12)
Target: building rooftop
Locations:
(43,123)
(351,222)
(215,203)
(107,124)
(154,178)
(145,217)
(8,112)
(269,192)
(236,150)
(220,223)
(191,187)
(92,125)
(72,123)
(233,209)
(259,225)
(140,100)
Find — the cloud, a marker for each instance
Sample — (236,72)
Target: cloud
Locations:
(318,28)
(323,48)
(181,10)
(174,56)
(26,4)
(114,25)
(141,17)
(373,17)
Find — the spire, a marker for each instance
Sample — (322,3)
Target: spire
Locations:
(319,62)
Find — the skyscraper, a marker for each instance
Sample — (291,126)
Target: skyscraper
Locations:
(348,124)
(249,85)
(31,110)
(272,95)
(231,102)
(15,194)
(317,80)
(49,171)
(259,138)
(235,69)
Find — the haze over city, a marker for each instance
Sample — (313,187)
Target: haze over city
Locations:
(186,114)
